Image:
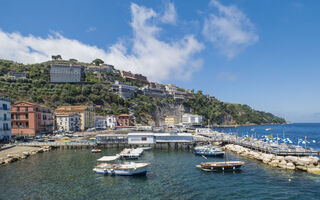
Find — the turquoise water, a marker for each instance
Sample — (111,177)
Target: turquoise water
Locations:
(67,174)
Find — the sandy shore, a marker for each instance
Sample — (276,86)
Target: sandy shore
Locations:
(18,153)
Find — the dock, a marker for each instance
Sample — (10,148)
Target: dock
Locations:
(258,145)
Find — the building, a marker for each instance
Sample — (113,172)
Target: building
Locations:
(141,138)
(29,119)
(86,114)
(68,122)
(154,92)
(124,91)
(144,138)
(171,88)
(111,121)
(5,119)
(103,68)
(191,119)
(63,73)
(131,76)
(100,122)
(171,120)
(173,137)
(17,75)
(123,121)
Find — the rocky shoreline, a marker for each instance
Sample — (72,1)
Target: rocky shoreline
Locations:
(19,153)
(308,164)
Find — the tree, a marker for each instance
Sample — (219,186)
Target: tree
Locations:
(73,60)
(57,57)
(98,62)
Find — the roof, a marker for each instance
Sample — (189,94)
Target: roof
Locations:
(71,108)
(25,102)
(123,115)
(141,134)
(171,116)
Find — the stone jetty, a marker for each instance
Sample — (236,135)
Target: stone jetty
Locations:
(19,152)
(309,164)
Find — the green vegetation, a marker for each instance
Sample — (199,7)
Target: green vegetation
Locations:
(97,90)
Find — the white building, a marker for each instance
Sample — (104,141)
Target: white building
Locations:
(68,122)
(191,119)
(111,121)
(141,138)
(5,119)
(100,122)
(152,138)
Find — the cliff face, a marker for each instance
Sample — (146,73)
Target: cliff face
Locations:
(97,90)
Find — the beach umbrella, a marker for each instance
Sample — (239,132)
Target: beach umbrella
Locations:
(313,141)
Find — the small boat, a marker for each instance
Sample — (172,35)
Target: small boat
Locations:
(96,151)
(124,169)
(208,151)
(221,166)
(268,129)
(131,153)
(146,148)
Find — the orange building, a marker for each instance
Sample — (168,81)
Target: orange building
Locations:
(30,119)
(123,121)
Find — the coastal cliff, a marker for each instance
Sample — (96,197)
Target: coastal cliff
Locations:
(97,89)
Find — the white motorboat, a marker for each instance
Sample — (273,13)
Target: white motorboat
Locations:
(125,169)
(131,153)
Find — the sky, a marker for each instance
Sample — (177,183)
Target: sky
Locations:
(261,53)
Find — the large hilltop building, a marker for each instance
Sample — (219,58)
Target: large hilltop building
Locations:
(64,73)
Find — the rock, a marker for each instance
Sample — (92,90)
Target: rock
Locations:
(26,153)
(310,166)
(292,159)
(314,170)
(283,164)
(314,160)
(304,168)
(274,163)
(291,166)
(9,156)
(40,150)
(33,152)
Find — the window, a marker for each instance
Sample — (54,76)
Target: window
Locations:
(27,116)
(18,116)
(4,117)
(27,124)
(26,109)
(143,139)
(4,106)
(18,109)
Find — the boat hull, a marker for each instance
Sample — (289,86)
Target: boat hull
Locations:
(121,172)
(209,153)
(221,166)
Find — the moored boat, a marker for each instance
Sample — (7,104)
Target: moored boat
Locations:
(208,151)
(221,166)
(125,169)
(96,150)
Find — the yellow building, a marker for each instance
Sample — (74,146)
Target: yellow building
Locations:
(86,114)
(171,120)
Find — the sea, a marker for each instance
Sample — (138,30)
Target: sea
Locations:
(67,174)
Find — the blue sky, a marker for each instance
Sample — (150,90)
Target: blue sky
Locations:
(261,53)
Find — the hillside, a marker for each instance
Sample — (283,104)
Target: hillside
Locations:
(96,89)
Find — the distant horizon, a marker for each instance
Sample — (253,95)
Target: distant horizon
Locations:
(260,53)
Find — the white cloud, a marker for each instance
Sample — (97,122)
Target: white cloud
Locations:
(227,76)
(229,30)
(170,14)
(149,55)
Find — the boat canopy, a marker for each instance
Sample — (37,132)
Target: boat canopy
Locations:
(108,158)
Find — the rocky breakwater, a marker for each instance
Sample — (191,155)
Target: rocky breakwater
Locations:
(18,153)
(309,164)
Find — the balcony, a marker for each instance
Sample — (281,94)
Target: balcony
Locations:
(2,108)
(7,119)
(1,129)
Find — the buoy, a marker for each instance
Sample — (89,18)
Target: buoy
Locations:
(289,180)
